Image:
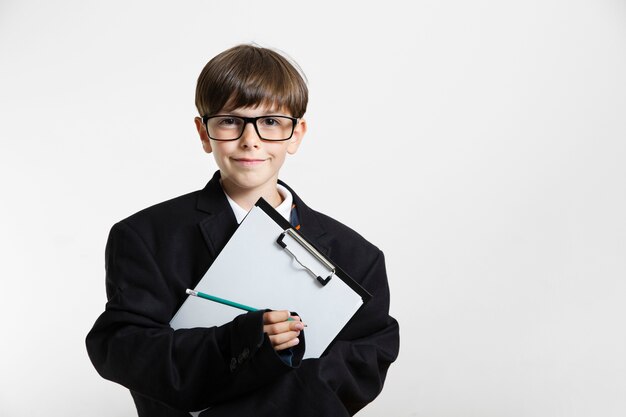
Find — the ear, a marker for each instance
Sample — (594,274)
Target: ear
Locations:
(296,138)
(204,137)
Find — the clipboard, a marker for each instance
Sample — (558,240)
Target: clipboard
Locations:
(268,264)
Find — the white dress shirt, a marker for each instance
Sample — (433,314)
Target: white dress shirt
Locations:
(284,208)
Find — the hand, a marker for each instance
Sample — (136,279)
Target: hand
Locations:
(283,333)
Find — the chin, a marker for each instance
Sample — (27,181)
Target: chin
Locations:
(250,181)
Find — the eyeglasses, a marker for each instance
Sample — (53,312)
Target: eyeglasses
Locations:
(272,128)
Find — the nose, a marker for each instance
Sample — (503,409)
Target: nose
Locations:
(249,137)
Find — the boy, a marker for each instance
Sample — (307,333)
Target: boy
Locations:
(251,102)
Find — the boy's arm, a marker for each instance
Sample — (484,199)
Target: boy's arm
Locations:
(353,370)
(188,369)
(347,377)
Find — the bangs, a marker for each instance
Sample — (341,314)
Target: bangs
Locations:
(261,91)
(249,76)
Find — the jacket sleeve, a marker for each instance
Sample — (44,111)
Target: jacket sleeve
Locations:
(132,343)
(349,375)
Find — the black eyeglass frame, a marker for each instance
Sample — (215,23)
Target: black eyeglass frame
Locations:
(253,120)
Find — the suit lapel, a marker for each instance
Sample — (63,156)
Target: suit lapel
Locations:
(220,223)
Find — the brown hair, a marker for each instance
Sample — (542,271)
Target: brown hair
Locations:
(249,76)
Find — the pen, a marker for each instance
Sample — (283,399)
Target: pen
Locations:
(223,301)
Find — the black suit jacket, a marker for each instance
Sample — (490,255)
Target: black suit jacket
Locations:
(154,255)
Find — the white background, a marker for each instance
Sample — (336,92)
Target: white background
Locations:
(480,144)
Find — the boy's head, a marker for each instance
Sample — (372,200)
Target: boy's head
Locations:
(250,76)
(251,101)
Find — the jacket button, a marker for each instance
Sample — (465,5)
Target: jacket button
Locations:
(242,356)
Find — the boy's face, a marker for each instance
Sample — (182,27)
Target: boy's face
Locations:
(250,165)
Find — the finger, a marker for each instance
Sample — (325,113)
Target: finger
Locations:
(275,316)
(277,328)
(282,327)
(297,319)
(282,338)
(288,344)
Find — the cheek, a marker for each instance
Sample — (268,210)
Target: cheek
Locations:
(278,151)
(223,149)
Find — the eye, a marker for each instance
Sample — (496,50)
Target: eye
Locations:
(271,122)
(228,121)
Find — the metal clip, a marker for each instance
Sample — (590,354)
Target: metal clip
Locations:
(292,233)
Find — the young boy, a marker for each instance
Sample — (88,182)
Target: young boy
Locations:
(251,102)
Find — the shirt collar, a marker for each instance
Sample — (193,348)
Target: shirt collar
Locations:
(284,208)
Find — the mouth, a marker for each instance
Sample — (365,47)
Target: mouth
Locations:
(249,161)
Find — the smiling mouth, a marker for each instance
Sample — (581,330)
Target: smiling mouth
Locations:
(248,161)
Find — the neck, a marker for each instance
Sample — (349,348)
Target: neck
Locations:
(246,199)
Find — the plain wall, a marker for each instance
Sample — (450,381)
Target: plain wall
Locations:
(480,144)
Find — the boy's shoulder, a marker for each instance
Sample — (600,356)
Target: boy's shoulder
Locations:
(165,219)
(171,208)
(343,244)
(318,224)
(339,229)
(184,209)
